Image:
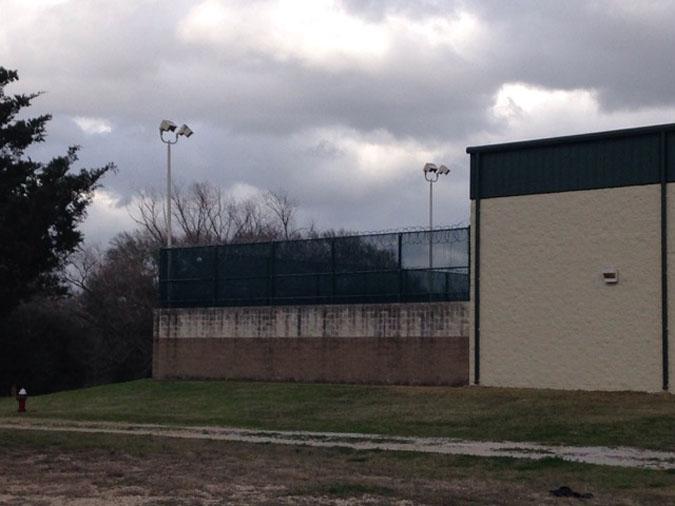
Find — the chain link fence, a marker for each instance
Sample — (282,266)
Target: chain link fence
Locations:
(392,267)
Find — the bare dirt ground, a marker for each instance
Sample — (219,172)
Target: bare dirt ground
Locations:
(63,463)
(93,478)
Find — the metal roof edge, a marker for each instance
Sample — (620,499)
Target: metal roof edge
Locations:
(568,139)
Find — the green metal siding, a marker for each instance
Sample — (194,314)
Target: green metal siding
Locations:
(593,161)
(670,157)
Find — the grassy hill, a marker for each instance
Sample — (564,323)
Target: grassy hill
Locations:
(579,418)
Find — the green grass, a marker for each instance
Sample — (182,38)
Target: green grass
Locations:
(583,418)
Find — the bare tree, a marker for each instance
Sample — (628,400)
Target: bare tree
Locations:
(150,215)
(283,209)
(204,214)
(82,264)
(199,213)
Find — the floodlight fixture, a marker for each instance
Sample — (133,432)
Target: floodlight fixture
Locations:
(430,167)
(166,126)
(185,130)
(442,170)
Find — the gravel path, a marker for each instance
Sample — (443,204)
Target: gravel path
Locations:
(618,456)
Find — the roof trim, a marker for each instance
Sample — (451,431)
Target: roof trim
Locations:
(569,139)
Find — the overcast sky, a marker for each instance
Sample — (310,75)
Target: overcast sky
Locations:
(338,103)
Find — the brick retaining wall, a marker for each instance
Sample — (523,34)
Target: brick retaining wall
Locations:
(424,343)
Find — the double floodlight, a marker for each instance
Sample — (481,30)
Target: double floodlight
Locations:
(170,126)
(433,169)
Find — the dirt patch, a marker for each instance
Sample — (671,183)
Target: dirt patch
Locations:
(200,473)
(233,475)
(59,468)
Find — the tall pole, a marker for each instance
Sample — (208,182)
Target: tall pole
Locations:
(431,224)
(168,195)
(169,233)
(431,174)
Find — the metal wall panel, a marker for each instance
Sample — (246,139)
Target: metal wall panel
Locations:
(581,162)
(589,165)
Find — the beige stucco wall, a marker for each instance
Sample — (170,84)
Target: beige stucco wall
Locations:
(547,318)
(472,296)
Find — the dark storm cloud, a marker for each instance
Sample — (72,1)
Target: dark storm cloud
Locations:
(621,49)
(297,98)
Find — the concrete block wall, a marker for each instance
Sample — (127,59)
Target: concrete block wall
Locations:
(421,343)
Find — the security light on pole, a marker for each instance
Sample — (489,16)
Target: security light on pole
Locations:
(167,126)
(431,174)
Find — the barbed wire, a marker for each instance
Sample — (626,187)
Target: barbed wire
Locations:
(411,234)
(414,234)
(412,228)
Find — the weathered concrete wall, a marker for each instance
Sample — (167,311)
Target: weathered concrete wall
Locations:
(368,343)
(547,319)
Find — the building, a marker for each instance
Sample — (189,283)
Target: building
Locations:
(572,238)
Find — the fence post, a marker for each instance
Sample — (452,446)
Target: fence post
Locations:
(332,270)
(169,277)
(272,269)
(162,278)
(215,275)
(400,267)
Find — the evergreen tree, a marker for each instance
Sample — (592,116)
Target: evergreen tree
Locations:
(41,204)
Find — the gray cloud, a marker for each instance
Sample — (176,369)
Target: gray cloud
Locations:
(341,109)
(619,48)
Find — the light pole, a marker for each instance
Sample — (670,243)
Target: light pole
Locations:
(170,126)
(431,174)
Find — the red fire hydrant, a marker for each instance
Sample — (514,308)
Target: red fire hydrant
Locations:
(21,397)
